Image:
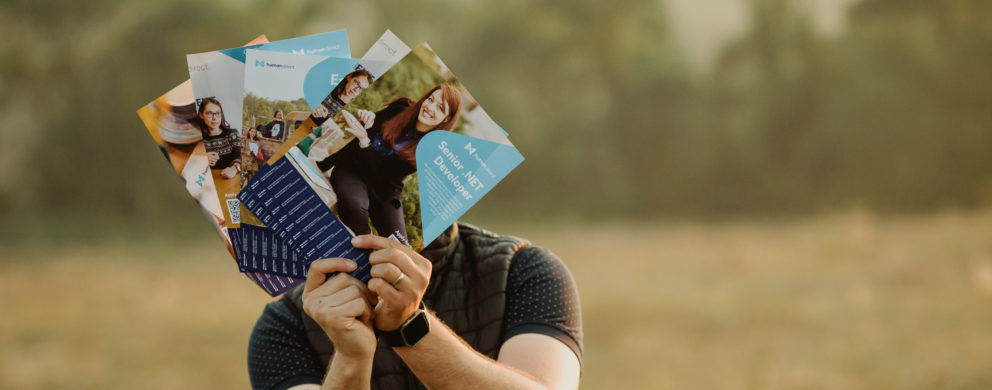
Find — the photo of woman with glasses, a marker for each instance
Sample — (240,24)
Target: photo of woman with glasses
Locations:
(221,141)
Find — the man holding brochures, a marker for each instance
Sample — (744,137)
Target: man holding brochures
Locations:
(473,310)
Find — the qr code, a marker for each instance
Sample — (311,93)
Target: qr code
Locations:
(234,208)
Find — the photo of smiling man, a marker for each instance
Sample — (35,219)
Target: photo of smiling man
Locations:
(354,83)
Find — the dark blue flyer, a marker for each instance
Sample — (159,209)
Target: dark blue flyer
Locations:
(284,200)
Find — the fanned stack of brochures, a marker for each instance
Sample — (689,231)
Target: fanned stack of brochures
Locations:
(291,148)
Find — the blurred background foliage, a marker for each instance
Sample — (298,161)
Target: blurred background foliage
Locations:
(768,193)
(615,114)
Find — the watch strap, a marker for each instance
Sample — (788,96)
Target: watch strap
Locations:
(395,338)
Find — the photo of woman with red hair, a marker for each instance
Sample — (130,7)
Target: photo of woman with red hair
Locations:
(368,173)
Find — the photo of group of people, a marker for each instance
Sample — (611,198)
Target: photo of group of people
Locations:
(266,127)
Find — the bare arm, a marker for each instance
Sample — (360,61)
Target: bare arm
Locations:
(348,373)
(442,360)
(345,372)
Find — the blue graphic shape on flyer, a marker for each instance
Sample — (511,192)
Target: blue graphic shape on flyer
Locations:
(322,78)
(453,172)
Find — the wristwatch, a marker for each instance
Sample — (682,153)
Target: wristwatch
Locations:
(408,334)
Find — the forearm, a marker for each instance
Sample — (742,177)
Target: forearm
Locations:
(442,360)
(347,372)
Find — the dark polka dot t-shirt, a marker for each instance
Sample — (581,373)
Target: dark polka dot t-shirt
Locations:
(541,298)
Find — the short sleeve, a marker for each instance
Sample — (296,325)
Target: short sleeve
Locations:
(542,298)
(279,354)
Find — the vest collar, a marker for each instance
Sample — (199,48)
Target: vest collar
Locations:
(439,251)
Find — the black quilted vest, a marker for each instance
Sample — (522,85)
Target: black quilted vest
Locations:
(467,291)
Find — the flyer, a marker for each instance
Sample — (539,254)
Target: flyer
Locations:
(298,81)
(171,121)
(290,205)
(385,52)
(417,152)
(280,91)
(323,147)
(263,252)
(218,86)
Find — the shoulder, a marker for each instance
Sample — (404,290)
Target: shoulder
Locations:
(277,319)
(481,243)
(402,102)
(282,317)
(279,353)
(542,297)
(538,260)
(528,266)
(394,107)
(536,272)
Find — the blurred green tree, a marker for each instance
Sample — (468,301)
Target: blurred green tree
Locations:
(891,112)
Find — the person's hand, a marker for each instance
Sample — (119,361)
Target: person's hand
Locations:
(342,306)
(367,117)
(229,172)
(212,158)
(399,277)
(356,128)
(320,112)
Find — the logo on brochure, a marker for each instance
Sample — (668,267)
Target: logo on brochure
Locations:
(263,64)
(385,45)
(316,50)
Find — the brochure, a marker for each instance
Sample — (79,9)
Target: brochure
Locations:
(280,89)
(263,252)
(394,145)
(218,86)
(264,275)
(416,151)
(171,121)
(277,88)
(289,203)
(377,60)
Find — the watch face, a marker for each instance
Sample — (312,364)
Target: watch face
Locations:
(416,329)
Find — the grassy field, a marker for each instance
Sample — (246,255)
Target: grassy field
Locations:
(847,301)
